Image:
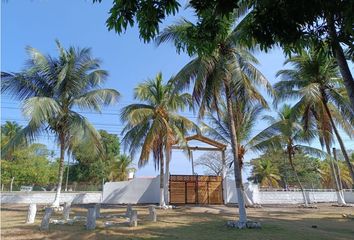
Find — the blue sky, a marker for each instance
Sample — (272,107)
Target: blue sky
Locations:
(129,61)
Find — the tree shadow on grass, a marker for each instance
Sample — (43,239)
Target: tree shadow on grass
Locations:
(184,224)
(209,227)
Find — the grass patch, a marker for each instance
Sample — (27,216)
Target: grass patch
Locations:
(189,222)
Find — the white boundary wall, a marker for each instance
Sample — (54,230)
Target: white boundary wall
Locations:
(282,197)
(137,190)
(146,190)
(48,197)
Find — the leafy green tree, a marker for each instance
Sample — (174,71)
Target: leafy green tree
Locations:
(214,18)
(290,24)
(315,83)
(51,88)
(30,166)
(153,125)
(221,76)
(110,143)
(295,24)
(93,166)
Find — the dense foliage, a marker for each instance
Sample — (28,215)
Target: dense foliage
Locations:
(30,166)
(214,17)
(272,169)
(91,166)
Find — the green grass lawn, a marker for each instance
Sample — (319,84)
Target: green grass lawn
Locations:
(190,222)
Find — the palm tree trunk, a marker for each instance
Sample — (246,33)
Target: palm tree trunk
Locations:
(67,175)
(337,169)
(162,197)
(340,141)
(341,61)
(237,168)
(167,175)
(340,197)
(223,174)
(61,170)
(297,177)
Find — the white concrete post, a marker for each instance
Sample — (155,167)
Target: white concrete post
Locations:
(133,221)
(45,221)
(152,214)
(98,210)
(129,210)
(31,215)
(66,210)
(91,218)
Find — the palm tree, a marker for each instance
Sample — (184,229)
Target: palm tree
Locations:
(154,125)
(52,88)
(119,171)
(265,173)
(8,131)
(315,82)
(327,178)
(218,77)
(285,132)
(245,114)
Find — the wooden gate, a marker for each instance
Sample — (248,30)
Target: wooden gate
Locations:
(194,189)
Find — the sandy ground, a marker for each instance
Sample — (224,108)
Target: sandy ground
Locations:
(188,222)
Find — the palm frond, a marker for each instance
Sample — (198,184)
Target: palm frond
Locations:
(96,99)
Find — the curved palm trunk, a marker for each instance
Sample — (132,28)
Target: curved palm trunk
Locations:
(341,144)
(338,172)
(162,197)
(297,178)
(61,171)
(342,62)
(237,169)
(339,193)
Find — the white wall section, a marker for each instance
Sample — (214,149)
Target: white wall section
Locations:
(146,190)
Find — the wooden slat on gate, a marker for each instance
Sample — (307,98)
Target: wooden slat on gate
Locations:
(194,189)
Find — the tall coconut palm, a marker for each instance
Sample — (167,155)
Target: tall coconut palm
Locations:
(51,89)
(8,131)
(327,174)
(218,77)
(285,132)
(265,173)
(245,114)
(120,167)
(315,83)
(154,125)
